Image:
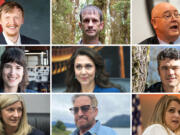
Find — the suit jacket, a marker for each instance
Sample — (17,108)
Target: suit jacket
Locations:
(36,132)
(151,40)
(24,40)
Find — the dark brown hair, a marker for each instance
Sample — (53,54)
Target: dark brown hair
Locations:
(101,76)
(14,55)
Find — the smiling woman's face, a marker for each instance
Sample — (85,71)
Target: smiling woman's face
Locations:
(85,69)
(12,114)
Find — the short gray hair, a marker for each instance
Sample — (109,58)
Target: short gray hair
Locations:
(92,97)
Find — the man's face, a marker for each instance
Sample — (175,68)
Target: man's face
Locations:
(91,24)
(11,22)
(165,23)
(169,71)
(84,119)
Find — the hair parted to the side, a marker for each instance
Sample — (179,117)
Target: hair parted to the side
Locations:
(7,100)
(15,55)
(9,6)
(102,77)
(171,53)
(158,115)
(93,9)
(94,102)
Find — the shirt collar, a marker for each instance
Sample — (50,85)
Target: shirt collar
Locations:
(92,131)
(175,42)
(9,42)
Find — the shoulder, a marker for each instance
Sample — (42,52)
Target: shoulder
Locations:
(2,39)
(155,88)
(36,132)
(151,40)
(155,129)
(27,40)
(106,130)
(99,89)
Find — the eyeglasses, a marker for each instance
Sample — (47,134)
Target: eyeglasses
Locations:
(167,15)
(84,109)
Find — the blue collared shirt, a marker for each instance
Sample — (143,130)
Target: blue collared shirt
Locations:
(97,129)
(105,90)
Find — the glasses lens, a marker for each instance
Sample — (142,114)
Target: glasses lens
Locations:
(85,108)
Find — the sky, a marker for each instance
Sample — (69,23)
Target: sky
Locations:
(109,105)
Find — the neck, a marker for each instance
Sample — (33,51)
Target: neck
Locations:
(13,38)
(88,88)
(10,89)
(168,39)
(10,130)
(92,40)
(172,89)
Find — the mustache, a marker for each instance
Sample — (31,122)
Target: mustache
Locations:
(82,117)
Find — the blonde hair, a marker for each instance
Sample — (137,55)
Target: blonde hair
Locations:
(158,116)
(7,100)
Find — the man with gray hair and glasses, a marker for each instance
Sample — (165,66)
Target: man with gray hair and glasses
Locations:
(165,20)
(85,111)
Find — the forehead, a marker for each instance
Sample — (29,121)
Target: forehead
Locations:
(163,8)
(12,64)
(174,104)
(170,62)
(83,59)
(90,13)
(14,10)
(82,100)
(15,105)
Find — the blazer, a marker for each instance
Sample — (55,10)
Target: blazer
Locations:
(24,40)
(36,132)
(151,40)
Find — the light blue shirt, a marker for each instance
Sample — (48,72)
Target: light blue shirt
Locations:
(97,129)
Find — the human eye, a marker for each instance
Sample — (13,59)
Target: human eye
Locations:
(18,67)
(88,66)
(176,14)
(164,68)
(171,110)
(19,109)
(7,66)
(167,15)
(86,20)
(10,109)
(176,67)
(78,66)
(94,20)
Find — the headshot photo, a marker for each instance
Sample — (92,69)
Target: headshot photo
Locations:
(161,66)
(24,69)
(21,114)
(25,22)
(91,69)
(75,114)
(91,22)
(160,19)
(155,114)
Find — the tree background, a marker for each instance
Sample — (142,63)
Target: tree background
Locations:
(65,19)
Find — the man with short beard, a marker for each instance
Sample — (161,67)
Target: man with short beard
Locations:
(168,61)
(165,21)
(11,20)
(85,110)
(91,23)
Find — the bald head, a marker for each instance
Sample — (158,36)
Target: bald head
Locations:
(160,8)
(165,21)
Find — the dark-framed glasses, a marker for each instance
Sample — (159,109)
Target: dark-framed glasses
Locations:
(167,15)
(84,109)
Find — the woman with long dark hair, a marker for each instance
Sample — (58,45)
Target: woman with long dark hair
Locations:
(86,73)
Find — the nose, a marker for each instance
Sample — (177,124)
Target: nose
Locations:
(16,114)
(170,71)
(12,20)
(90,24)
(12,70)
(80,113)
(83,71)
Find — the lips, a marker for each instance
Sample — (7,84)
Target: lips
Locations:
(174,27)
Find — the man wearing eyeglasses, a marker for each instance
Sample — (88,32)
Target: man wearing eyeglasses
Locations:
(85,111)
(169,71)
(165,20)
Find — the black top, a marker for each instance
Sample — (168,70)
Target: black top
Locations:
(36,132)
(157,87)
(151,40)
(24,40)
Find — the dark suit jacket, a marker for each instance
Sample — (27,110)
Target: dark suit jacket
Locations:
(24,40)
(151,40)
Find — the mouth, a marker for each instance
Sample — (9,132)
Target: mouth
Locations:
(12,78)
(175,121)
(174,27)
